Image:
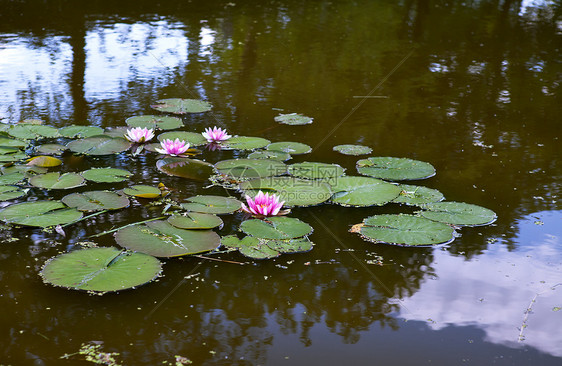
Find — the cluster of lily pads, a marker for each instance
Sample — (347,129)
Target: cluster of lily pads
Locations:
(28,149)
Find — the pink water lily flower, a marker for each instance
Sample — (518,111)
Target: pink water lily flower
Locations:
(139,135)
(176,147)
(263,205)
(215,134)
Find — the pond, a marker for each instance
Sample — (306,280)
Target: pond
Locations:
(473,88)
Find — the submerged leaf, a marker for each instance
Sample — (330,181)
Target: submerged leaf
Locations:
(353,149)
(293,119)
(182,106)
(251,168)
(154,122)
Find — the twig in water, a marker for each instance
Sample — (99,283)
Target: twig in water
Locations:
(219,260)
(529,310)
(122,227)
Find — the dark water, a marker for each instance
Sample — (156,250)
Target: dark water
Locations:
(472,87)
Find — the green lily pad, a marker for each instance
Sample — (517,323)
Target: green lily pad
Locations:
(244,143)
(26,170)
(99,145)
(458,213)
(363,191)
(212,204)
(417,195)
(8,142)
(402,229)
(101,270)
(95,201)
(115,132)
(293,148)
(276,228)
(298,245)
(11,178)
(195,220)
(39,213)
(251,168)
(267,154)
(143,191)
(11,192)
(57,181)
(155,122)
(8,150)
(160,239)
(10,158)
(315,170)
(353,149)
(74,131)
(29,131)
(106,175)
(51,149)
(182,106)
(390,168)
(194,139)
(44,161)
(293,119)
(185,168)
(250,247)
(293,191)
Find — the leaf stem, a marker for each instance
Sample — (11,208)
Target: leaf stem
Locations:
(122,227)
(84,218)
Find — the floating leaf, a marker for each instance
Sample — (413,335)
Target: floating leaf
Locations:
(182,106)
(251,168)
(195,220)
(95,201)
(293,119)
(10,158)
(160,239)
(8,150)
(353,149)
(363,191)
(116,132)
(99,145)
(4,141)
(143,191)
(155,122)
(276,228)
(458,213)
(417,195)
(250,247)
(74,131)
(39,213)
(44,161)
(315,170)
(293,191)
(404,230)
(185,168)
(244,143)
(390,168)
(212,204)
(29,131)
(299,245)
(11,178)
(194,139)
(101,270)
(106,175)
(11,192)
(293,148)
(57,181)
(267,154)
(51,149)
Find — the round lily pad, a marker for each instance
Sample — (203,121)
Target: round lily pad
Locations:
(363,191)
(353,149)
(44,161)
(250,247)
(11,178)
(293,119)
(390,168)
(404,230)
(10,158)
(185,168)
(244,143)
(29,131)
(194,139)
(195,220)
(5,141)
(276,228)
(212,204)
(270,154)
(99,145)
(293,148)
(315,170)
(160,239)
(39,213)
(96,201)
(143,191)
(293,191)
(458,213)
(74,131)
(101,270)
(182,106)
(298,245)
(11,192)
(251,168)
(57,181)
(8,150)
(106,175)
(51,149)
(155,122)
(417,195)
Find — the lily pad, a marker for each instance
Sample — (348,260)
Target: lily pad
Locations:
(390,168)
(250,247)
(155,122)
(363,191)
(101,270)
(8,150)
(182,106)
(74,131)
(10,158)
(267,154)
(99,145)
(185,168)
(29,131)
(402,229)
(143,191)
(44,161)
(315,170)
(244,143)
(39,213)
(95,201)
(293,148)
(353,149)
(194,139)
(195,220)
(51,149)
(293,119)
(11,178)
(11,192)
(160,239)
(293,191)
(212,204)
(5,141)
(458,213)
(299,245)
(251,168)
(417,195)
(57,181)
(106,175)
(276,228)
